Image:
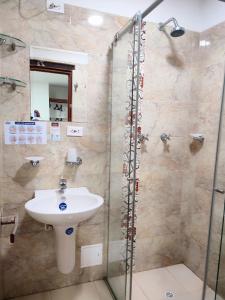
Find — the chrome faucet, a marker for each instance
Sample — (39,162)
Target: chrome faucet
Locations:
(62,185)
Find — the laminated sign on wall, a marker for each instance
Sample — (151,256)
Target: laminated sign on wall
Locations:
(25,132)
(55,131)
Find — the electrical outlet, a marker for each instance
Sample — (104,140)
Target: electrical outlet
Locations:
(91,255)
(55,6)
(74,131)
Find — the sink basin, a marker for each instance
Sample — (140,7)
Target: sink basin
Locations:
(64,211)
(72,207)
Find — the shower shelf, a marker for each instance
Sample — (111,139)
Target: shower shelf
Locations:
(11,81)
(11,41)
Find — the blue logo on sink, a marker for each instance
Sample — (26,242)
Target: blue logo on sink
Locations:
(62,206)
(69,230)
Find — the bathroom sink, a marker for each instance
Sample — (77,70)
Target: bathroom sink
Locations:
(71,207)
(64,210)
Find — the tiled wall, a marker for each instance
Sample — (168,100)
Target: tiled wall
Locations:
(207,86)
(29,265)
(167,108)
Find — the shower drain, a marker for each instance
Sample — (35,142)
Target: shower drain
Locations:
(169,295)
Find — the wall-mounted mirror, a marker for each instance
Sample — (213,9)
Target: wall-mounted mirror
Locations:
(51,90)
(57,86)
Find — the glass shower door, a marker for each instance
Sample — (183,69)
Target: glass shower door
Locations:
(125,98)
(117,244)
(220,287)
(215,272)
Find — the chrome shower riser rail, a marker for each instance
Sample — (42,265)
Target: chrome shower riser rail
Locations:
(151,8)
(127,27)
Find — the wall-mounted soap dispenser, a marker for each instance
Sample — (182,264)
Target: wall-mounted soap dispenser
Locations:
(72,158)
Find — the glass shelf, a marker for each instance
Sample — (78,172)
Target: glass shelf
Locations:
(11,81)
(10,41)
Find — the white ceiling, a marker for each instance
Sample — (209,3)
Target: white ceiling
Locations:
(196,15)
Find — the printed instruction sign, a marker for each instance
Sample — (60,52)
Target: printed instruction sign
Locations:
(18,133)
(55,132)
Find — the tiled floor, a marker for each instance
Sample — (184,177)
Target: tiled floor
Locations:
(96,290)
(176,280)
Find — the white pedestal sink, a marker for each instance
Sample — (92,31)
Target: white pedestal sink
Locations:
(64,211)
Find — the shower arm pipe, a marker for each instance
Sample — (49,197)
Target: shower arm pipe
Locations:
(120,33)
(162,25)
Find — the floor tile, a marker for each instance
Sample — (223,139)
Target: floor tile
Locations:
(102,290)
(85,291)
(147,285)
(186,277)
(155,284)
(137,293)
(210,294)
(117,284)
(41,296)
(196,295)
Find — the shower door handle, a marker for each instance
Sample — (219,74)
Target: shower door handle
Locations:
(219,191)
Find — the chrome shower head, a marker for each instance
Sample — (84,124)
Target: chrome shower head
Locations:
(176,31)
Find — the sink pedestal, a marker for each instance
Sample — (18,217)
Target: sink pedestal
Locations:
(64,211)
(65,247)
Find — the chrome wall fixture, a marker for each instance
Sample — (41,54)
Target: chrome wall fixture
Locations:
(12,82)
(11,42)
(198,137)
(72,158)
(62,185)
(165,137)
(53,5)
(142,138)
(176,31)
(10,220)
(132,21)
(34,160)
(75,163)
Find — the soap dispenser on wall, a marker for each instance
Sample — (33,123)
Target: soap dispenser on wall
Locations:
(72,158)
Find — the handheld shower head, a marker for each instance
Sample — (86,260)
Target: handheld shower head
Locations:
(176,31)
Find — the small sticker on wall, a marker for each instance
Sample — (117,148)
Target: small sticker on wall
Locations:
(18,133)
(55,132)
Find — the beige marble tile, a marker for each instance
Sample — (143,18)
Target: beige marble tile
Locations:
(197,295)
(137,293)
(102,290)
(118,283)
(156,283)
(186,277)
(155,252)
(84,291)
(41,296)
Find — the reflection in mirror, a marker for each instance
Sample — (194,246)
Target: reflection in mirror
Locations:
(51,91)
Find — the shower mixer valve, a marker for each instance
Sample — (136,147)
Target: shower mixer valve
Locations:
(142,138)
(165,137)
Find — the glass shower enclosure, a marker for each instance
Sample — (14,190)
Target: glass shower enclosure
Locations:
(215,266)
(125,140)
(126,95)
